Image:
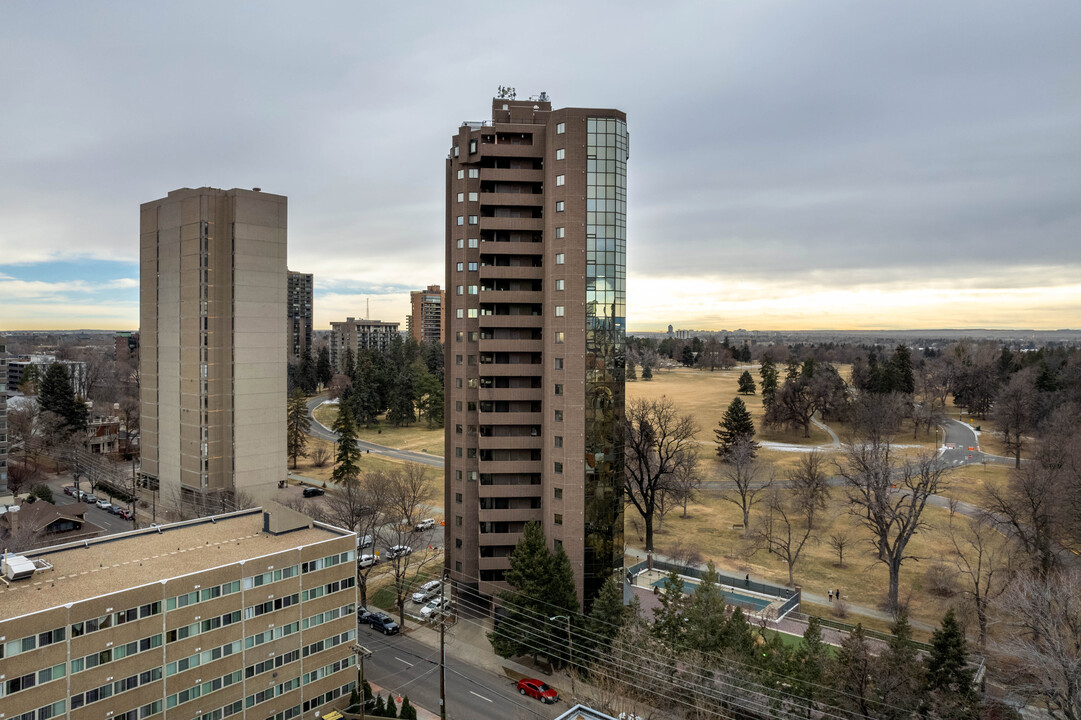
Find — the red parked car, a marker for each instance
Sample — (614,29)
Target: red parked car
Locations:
(537,689)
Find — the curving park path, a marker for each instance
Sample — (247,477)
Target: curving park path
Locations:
(322,432)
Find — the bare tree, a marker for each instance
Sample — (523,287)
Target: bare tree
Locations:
(983,562)
(786,531)
(876,417)
(1029,509)
(680,554)
(1041,659)
(23,429)
(744,473)
(888,499)
(839,541)
(658,444)
(408,494)
(1016,411)
(686,483)
(359,506)
(320,454)
(810,485)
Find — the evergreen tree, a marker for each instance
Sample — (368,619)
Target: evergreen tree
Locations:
(380,709)
(607,614)
(901,675)
(853,675)
(901,375)
(31,380)
(354,699)
(686,357)
(739,635)
(400,408)
(55,395)
(736,425)
(647,372)
(407,711)
(365,399)
(746,383)
(432,353)
(367,690)
(768,373)
(948,689)
(347,461)
(706,615)
(391,710)
(668,619)
(430,399)
(307,379)
(349,362)
(809,664)
(631,374)
(297,426)
(324,371)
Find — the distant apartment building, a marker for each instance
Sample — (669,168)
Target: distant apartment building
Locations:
(425,319)
(3,415)
(213,341)
(299,312)
(535,336)
(126,346)
(247,615)
(17,368)
(356,335)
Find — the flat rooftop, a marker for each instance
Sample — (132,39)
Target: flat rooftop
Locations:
(126,560)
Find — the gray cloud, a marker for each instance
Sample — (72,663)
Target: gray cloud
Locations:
(838,140)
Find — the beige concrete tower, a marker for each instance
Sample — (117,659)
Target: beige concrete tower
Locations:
(213,344)
(535,283)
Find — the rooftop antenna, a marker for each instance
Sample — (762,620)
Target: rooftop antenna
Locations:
(367,308)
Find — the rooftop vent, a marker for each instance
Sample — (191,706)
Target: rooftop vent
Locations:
(17,567)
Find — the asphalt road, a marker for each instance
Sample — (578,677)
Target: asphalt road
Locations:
(321,431)
(406,666)
(961,446)
(111,523)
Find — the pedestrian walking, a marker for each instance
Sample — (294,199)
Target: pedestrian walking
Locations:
(747,580)
(831,595)
(837,594)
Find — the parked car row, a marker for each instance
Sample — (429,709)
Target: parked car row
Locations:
(91,499)
(378,621)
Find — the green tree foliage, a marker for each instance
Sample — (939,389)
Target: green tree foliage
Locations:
(949,691)
(705,615)
(736,425)
(380,709)
(900,674)
(668,619)
(607,615)
(853,672)
(542,585)
(401,409)
(31,381)
(407,711)
(55,395)
(366,398)
(298,423)
(429,390)
(768,373)
(647,372)
(631,373)
(43,492)
(347,460)
(324,371)
(809,665)
(686,357)
(808,389)
(746,383)
(391,710)
(434,359)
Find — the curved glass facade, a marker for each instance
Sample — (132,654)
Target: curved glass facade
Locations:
(606,275)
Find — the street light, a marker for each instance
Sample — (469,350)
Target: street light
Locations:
(570,646)
(362,652)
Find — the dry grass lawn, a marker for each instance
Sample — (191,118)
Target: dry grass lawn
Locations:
(368,463)
(416,437)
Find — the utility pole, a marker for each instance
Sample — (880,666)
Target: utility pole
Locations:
(361,652)
(443,647)
(570,646)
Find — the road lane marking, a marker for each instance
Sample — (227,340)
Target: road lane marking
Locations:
(480,696)
(404,661)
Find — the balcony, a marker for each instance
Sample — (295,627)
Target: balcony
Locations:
(503,272)
(512,199)
(499,539)
(530,297)
(508,175)
(511,150)
(511,321)
(511,248)
(494,394)
(510,442)
(499,491)
(511,370)
(522,467)
(519,515)
(509,418)
(512,223)
(495,563)
(511,346)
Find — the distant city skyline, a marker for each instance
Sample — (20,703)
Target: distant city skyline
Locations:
(833,165)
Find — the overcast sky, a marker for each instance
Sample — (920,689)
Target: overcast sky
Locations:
(793,164)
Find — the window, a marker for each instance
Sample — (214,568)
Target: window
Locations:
(461,267)
(559,284)
(559,363)
(558,415)
(457,359)
(461,197)
(561,128)
(470,452)
(458,383)
(559,258)
(472,289)
(458,405)
(559,337)
(474,173)
(560,232)
(458,565)
(456,153)
(558,441)
(560,180)
(461,174)
(461,243)
(458,520)
(461,220)
(473,197)
(460,313)
(458,543)
(459,289)
(458,428)
(472,219)
(472,267)
(558,467)
(458,336)
(473,145)
(559,311)
(457,474)
(558,520)
(559,389)
(472,242)
(457,452)
(559,206)
(472,312)
(559,493)
(560,154)
(458,498)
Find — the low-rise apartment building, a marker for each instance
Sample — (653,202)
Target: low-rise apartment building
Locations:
(357,335)
(245,615)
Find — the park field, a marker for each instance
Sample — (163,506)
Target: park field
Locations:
(417,437)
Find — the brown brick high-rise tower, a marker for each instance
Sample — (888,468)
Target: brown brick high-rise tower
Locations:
(535,327)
